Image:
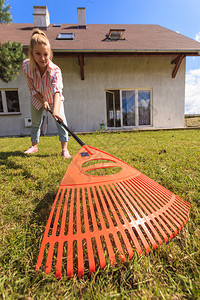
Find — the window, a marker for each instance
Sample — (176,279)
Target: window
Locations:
(128,108)
(65,36)
(57,25)
(116,34)
(144,111)
(9,101)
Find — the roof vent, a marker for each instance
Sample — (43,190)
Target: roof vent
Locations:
(116,34)
(81,18)
(41,17)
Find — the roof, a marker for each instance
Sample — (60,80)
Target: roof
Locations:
(137,38)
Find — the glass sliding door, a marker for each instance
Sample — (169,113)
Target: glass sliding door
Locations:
(113,108)
(110,108)
(144,107)
(128,108)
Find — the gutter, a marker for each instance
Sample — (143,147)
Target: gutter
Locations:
(139,51)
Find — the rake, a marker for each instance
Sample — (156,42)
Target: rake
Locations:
(95,218)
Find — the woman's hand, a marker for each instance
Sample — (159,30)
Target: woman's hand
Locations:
(46,105)
(56,106)
(56,116)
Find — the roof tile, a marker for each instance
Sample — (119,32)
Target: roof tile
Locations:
(139,38)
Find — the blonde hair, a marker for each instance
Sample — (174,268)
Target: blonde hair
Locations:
(38,37)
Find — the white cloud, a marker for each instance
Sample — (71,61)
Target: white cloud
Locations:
(192,92)
(197,37)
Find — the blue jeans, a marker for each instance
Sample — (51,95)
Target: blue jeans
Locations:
(36,116)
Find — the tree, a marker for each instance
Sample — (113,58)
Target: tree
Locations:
(11,58)
(11,53)
(5,15)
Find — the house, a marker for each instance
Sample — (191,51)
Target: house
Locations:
(128,76)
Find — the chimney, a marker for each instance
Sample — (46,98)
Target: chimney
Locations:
(41,17)
(81,18)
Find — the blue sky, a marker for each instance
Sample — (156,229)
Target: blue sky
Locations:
(182,16)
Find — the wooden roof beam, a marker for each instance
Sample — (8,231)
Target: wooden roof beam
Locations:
(81,64)
(177,61)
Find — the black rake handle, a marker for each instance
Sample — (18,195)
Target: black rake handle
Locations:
(60,122)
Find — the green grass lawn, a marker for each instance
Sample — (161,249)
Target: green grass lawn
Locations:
(192,121)
(29,185)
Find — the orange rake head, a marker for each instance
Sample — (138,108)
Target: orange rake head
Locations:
(98,217)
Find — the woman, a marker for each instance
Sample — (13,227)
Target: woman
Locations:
(45,84)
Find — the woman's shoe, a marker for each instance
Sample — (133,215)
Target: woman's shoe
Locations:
(65,153)
(32,149)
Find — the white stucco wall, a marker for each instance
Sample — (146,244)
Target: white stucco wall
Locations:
(13,124)
(85,100)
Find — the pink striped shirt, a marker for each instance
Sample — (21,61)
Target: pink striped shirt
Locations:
(47,85)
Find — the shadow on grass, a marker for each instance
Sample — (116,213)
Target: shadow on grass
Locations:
(41,213)
(4,160)
(6,155)
(37,224)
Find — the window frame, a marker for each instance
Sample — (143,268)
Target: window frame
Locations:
(136,107)
(5,104)
(116,34)
(66,36)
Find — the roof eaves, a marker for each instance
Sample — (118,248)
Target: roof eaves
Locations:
(130,50)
